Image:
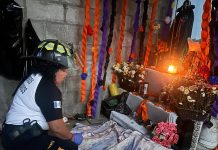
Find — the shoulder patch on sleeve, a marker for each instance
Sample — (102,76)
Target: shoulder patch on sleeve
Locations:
(57,104)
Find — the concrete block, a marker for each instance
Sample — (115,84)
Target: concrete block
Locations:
(127,39)
(92,4)
(75,15)
(39,28)
(125,53)
(73,2)
(42,10)
(66,33)
(7,88)
(128,22)
(20,2)
(72,104)
(131,8)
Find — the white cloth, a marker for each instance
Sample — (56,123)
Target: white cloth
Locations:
(172,117)
(110,136)
(127,122)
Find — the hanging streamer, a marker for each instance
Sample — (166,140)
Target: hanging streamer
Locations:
(205,31)
(150,36)
(142,30)
(101,57)
(135,28)
(122,27)
(214,37)
(94,58)
(84,40)
(110,37)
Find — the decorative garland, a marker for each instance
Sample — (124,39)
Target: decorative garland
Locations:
(205,31)
(135,27)
(142,30)
(94,58)
(213,29)
(110,37)
(101,57)
(149,42)
(84,40)
(122,27)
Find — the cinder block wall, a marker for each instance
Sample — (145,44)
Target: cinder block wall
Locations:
(63,20)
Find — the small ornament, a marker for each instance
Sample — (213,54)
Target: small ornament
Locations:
(84,76)
(141,29)
(167,19)
(89,30)
(110,50)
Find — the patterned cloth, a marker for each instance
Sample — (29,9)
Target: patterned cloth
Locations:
(111,136)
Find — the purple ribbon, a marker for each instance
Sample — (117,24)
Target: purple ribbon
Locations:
(213,79)
(135,26)
(214,109)
(101,57)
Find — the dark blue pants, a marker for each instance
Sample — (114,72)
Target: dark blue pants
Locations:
(42,142)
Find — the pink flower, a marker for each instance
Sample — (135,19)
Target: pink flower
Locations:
(175,138)
(166,134)
(165,144)
(171,138)
(158,131)
(156,139)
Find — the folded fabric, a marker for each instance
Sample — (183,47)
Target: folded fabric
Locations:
(111,136)
(136,141)
(127,122)
(172,117)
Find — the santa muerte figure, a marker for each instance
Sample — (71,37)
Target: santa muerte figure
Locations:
(181,29)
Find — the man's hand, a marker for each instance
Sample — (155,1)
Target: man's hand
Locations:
(77,138)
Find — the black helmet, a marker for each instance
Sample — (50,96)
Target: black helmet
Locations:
(53,51)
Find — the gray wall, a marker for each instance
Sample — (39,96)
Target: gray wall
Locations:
(63,20)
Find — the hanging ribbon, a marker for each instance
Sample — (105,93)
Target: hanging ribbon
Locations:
(214,36)
(84,40)
(94,58)
(142,30)
(151,29)
(135,28)
(205,31)
(122,27)
(101,57)
(213,28)
(110,37)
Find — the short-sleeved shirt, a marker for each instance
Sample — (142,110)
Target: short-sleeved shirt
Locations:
(37,98)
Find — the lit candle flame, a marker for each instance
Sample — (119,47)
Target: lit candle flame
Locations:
(171,69)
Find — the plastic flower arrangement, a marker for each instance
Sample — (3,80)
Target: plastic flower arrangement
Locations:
(165,133)
(194,96)
(130,76)
(132,71)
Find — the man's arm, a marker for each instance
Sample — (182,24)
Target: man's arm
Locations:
(58,129)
